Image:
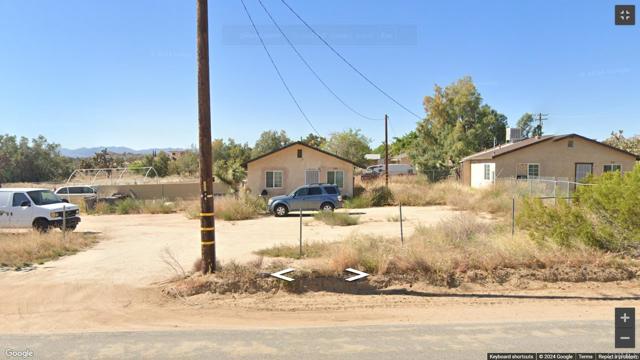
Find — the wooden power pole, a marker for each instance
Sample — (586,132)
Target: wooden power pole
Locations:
(207,226)
(386,151)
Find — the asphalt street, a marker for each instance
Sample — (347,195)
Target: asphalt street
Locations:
(451,341)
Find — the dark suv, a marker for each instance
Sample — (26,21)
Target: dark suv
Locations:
(323,197)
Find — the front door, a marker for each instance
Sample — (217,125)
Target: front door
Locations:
(311,176)
(583,170)
(21,216)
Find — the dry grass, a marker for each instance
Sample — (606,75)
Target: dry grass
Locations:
(336,219)
(24,249)
(132,206)
(191,208)
(395,218)
(464,249)
(309,250)
(243,207)
(228,207)
(419,191)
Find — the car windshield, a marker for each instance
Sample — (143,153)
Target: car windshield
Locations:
(295,190)
(44,197)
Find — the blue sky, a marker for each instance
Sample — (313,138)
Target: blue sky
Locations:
(90,73)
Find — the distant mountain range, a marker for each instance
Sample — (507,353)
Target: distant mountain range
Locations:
(89,152)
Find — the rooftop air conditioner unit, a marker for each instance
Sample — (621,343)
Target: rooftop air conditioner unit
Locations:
(514,135)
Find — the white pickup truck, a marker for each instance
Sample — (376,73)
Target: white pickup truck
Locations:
(40,209)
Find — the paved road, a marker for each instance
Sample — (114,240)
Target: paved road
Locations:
(461,341)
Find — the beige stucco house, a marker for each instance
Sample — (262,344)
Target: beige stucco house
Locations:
(280,172)
(569,157)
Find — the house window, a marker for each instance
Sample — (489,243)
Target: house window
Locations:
(612,167)
(533,170)
(299,153)
(487,172)
(335,177)
(274,179)
(311,176)
(570,143)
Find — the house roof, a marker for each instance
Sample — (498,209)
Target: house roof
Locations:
(507,148)
(305,145)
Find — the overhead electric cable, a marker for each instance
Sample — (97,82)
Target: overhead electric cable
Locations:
(306,63)
(348,63)
(255,28)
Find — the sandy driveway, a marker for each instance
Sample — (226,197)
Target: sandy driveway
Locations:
(135,245)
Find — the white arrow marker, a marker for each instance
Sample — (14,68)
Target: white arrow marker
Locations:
(280,274)
(359,276)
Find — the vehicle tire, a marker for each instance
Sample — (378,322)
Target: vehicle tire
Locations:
(41,225)
(327,207)
(280,210)
(71,227)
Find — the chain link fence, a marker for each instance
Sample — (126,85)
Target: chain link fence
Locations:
(545,188)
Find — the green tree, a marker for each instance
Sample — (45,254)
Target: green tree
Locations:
(187,164)
(161,164)
(457,124)
(404,144)
(350,144)
(102,159)
(630,144)
(228,158)
(229,172)
(399,145)
(525,124)
(270,140)
(31,161)
(314,140)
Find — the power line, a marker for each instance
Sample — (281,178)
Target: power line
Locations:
(348,63)
(278,70)
(306,63)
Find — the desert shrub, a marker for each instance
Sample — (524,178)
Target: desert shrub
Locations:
(242,207)
(335,218)
(562,223)
(613,205)
(380,196)
(128,206)
(358,202)
(103,208)
(358,190)
(605,215)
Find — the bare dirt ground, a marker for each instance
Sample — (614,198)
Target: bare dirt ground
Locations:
(113,286)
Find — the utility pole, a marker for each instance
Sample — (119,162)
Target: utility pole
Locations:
(538,129)
(207,226)
(386,151)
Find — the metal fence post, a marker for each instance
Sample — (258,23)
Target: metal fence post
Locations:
(300,232)
(401,230)
(64,222)
(513,216)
